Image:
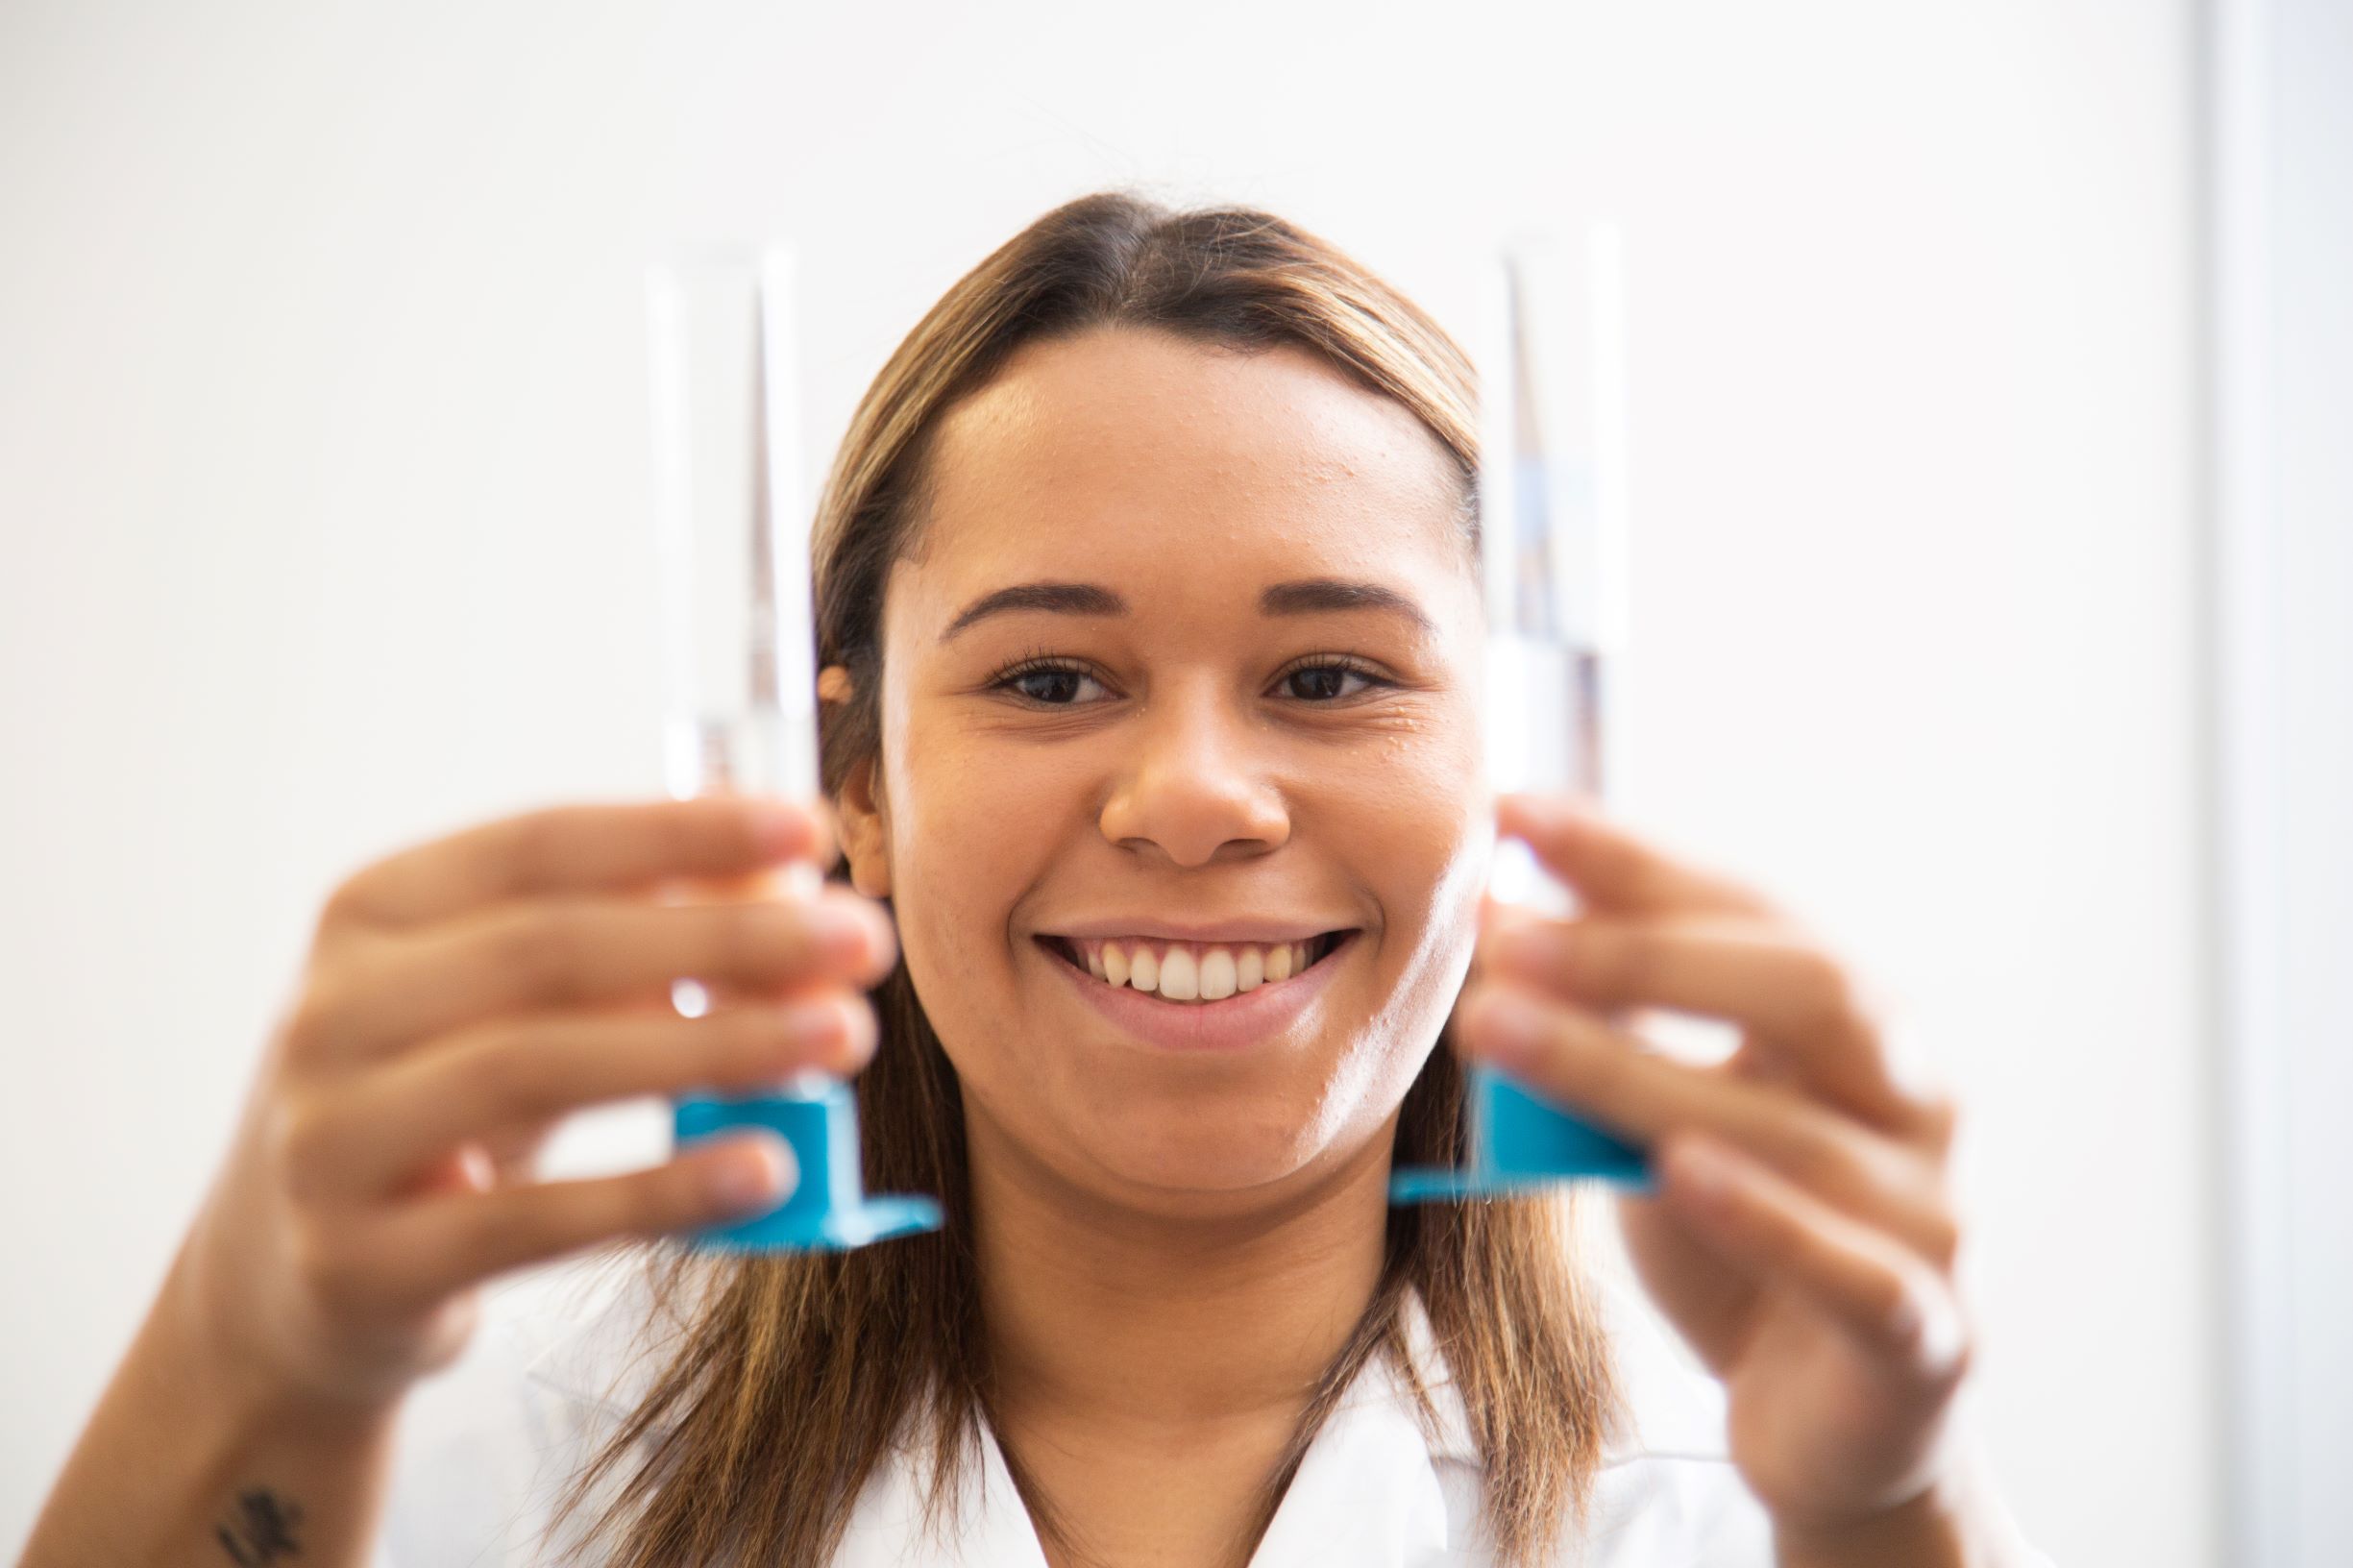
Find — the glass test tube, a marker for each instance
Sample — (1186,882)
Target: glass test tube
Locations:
(740,667)
(1552,532)
(1552,560)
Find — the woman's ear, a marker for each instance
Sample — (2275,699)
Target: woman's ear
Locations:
(865,838)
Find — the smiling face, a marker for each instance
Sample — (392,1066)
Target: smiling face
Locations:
(1180,674)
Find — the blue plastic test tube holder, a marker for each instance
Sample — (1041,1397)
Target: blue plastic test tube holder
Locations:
(1519,1142)
(827,1210)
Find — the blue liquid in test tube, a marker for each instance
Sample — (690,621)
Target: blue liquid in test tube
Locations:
(739,676)
(1551,565)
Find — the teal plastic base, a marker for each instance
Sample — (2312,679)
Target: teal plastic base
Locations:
(836,1230)
(829,1210)
(1520,1143)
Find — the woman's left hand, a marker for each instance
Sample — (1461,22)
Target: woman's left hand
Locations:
(1803,1233)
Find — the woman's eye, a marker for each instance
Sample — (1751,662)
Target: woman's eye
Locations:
(1055,685)
(1326,682)
(1062,686)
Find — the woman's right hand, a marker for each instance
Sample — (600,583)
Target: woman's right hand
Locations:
(459,998)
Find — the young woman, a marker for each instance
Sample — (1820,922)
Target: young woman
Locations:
(1149,619)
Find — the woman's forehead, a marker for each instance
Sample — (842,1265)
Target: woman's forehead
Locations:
(1137,452)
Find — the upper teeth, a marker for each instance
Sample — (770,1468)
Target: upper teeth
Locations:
(1191,971)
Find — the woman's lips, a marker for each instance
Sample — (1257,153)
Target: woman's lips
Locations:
(1231,1023)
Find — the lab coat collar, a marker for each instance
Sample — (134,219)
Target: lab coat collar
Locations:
(600,1354)
(1368,1492)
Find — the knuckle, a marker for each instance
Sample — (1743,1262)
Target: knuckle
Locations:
(1962,1355)
(1817,1157)
(1808,1160)
(345,905)
(1896,1300)
(1940,1117)
(302,1139)
(1606,960)
(1868,1003)
(536,849)
(1923,1322)
(543,944)
(1941,1241)
(504,1078)
(311,1023)
(1830,996)
(1646,882)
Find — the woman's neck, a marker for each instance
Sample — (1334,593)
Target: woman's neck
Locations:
(1097,1314)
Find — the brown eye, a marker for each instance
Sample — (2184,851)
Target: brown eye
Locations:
(1050,685)
(1328,682)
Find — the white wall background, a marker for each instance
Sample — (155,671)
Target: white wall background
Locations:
(323,499)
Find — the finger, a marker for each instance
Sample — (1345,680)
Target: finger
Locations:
(1576,1060)
(1762,977)
(579,849)
(1612,868)
(582,952)
(408,1114)
(1894,1302)
(417,1254)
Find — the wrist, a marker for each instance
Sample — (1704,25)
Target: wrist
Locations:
(1923,1532)
(1957,1522)
(218,1356)
(192,1454)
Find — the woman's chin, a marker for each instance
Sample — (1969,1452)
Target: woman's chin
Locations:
(1195,1165)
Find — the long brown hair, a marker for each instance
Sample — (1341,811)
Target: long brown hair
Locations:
(793,1376)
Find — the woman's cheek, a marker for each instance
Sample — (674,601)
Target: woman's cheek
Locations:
(1422,800)
(968,841)
(1429,812)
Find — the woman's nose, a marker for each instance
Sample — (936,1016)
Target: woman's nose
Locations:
(1198,784)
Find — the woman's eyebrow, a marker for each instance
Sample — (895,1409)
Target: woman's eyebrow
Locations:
(1315,596)
(1306,595)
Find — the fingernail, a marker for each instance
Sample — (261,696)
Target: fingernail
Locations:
(836,1036)
(814,1027)
(779,826)
(847,936)
(1507,1027)
(758,1173)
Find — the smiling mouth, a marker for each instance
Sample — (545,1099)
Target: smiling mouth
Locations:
(1192,972)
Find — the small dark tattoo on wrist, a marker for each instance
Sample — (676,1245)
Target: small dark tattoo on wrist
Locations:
(262,1530)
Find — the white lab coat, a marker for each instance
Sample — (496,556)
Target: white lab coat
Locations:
(485,1447)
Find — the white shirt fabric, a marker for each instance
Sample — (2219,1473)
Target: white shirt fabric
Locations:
(487,1447)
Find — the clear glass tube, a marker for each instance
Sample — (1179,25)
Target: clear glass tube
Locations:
(1552,567)
(739,649)
(1551,518)
(738,659)
(731,524)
